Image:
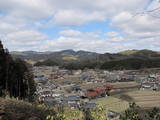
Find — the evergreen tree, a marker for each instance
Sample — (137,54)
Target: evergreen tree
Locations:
(15,78)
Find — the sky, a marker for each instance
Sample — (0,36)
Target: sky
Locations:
(91,25)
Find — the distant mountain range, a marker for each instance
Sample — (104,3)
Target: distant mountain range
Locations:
(64,55)
(84,55)
(71,55)
(68,58)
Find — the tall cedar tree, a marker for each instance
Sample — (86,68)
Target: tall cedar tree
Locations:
(16,80)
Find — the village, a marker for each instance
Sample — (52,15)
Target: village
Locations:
(85,89)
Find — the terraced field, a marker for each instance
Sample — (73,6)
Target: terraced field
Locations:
(145,99)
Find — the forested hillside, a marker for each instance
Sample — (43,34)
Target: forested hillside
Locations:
(69,59)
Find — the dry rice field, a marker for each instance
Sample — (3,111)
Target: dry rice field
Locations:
(116,85)
(145,99)
(112,103)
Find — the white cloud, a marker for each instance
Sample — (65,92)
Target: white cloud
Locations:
(26,9)
(141,30)
(70,32)
(21,19)
(79,44)
(90,41)
(74,18)
(114,37)
(24,39)
(76,33)
(68,12)
(25,36)
(7,28)
(136,26)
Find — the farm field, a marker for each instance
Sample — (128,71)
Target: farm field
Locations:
(116,85)
(122,85)
(112,103)
(145,99)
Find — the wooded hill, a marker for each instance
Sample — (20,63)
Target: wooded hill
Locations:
(70,59)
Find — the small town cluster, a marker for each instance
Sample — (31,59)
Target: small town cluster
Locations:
(79,89)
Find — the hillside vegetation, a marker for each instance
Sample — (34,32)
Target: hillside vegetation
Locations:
(69,59)
(12,109)
(128,52)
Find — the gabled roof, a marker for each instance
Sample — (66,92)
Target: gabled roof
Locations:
(72,98)
(90,106)
(92,94)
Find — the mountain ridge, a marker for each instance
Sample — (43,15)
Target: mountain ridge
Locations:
(82,55)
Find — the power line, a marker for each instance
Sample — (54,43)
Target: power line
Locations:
(153,10)
(149,12)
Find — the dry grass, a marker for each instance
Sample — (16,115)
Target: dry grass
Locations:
(113,103)
(69,58)
(13,109)
(73,114)
(30,61)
